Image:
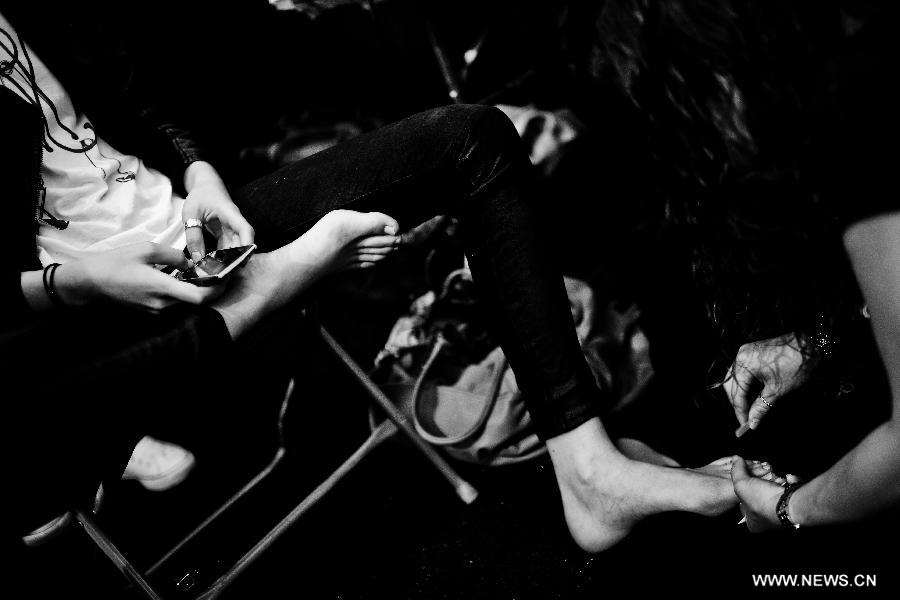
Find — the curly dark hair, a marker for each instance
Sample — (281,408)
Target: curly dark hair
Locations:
(733,96)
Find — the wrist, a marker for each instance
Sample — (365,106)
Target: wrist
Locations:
(72,284)
(801,507)
(787,515)
(69,284)
(200,172)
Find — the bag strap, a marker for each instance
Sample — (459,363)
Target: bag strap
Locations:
(489,401)
(462,273)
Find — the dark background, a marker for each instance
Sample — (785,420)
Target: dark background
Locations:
(248,77)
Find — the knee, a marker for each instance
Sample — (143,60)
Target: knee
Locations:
(478,126)
(490,127)
(491,143)
(489,121)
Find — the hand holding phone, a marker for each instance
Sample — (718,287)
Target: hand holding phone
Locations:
(215,266)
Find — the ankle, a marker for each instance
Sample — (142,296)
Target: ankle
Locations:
(588,439)
(585,451)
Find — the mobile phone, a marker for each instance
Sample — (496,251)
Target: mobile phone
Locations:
(215,266)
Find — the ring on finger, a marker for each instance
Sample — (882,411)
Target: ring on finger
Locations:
(188,223)
(764,400)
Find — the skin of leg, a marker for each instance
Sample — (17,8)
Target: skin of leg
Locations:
(467,162)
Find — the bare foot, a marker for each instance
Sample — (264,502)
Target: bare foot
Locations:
(763,470)
(717,468)
(638,450)
(345,239)
(641,451)
(341,240)
(605,494)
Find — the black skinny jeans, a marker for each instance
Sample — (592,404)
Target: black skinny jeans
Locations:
(465,161)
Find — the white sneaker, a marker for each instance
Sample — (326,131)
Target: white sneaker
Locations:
(158,465)
(48,530)
(52,528)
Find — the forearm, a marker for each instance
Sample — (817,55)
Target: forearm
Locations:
(33,290)
(867,479)
(863,482)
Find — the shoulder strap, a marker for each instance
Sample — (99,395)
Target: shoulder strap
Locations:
(489,400)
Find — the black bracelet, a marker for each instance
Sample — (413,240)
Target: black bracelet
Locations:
(49,287)
(781,509)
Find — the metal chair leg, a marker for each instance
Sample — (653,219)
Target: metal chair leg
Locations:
(114,555)
(396,421)
(464,489)
(379,435)
(263,474)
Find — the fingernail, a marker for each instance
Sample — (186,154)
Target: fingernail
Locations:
(742,430)
(390,230)
(196,256)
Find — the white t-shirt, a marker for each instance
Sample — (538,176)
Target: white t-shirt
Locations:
(109,199)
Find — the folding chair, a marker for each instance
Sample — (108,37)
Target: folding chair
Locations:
(396,422)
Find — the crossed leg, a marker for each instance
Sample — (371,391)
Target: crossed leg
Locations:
(465,161)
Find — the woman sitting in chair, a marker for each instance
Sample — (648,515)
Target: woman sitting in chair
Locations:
(89,221)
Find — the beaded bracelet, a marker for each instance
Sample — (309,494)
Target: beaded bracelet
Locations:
(49,287)
(781,509)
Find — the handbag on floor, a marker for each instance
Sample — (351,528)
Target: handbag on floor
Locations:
(453,381)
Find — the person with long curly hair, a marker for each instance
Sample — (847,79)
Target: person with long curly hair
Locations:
(765,134)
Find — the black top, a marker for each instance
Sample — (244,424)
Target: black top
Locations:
(860,159)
